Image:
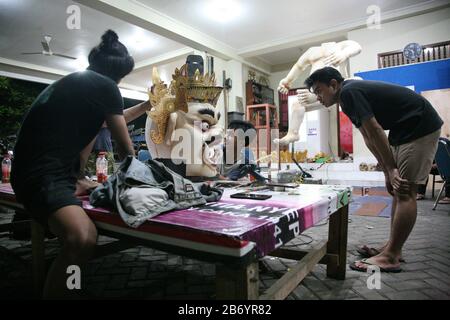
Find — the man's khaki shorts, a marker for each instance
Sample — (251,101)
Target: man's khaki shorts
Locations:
(414,159)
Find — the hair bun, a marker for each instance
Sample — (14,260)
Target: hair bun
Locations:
(109,37)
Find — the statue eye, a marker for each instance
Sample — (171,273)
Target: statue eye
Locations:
(205,126)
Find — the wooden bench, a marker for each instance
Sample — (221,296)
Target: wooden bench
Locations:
(232,234)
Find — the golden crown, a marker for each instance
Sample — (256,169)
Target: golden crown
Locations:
(199,88)
(183,89)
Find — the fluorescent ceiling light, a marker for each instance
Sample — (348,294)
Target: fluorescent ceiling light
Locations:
(223,10)
(139,40)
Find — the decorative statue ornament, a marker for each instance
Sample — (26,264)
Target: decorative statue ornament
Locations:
(182,127)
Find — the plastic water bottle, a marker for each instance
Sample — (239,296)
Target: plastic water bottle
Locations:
(6,168)
(102,167)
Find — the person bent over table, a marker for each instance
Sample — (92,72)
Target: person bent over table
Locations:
(62,121)
(406,155)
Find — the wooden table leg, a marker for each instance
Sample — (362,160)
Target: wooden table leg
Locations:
(292,278)
(337,243)
(237,282)
(38,253)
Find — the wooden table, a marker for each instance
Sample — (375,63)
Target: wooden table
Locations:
(232,233)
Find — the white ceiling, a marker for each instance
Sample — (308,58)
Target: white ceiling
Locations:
(24,22)
(276,32)
(267,21)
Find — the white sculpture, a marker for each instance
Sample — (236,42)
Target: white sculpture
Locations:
(330,54)
(184,124)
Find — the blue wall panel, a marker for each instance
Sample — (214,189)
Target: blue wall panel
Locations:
(423,76)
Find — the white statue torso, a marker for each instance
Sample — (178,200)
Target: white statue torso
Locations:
(317,56)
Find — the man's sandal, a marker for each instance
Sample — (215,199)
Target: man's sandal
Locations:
(355,267)
(369,252)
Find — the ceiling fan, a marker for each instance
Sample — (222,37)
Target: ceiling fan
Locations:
(47,51)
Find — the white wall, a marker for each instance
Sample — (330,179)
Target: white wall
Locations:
(166,70)
(424,29)
(235,72)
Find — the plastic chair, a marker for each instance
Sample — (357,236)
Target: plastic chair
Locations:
(434,172)
(443,165)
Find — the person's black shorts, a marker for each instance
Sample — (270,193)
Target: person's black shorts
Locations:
(42,199)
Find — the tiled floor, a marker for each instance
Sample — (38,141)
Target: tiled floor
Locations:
(146,273)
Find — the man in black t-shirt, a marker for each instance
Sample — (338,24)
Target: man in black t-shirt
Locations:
(406,155)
